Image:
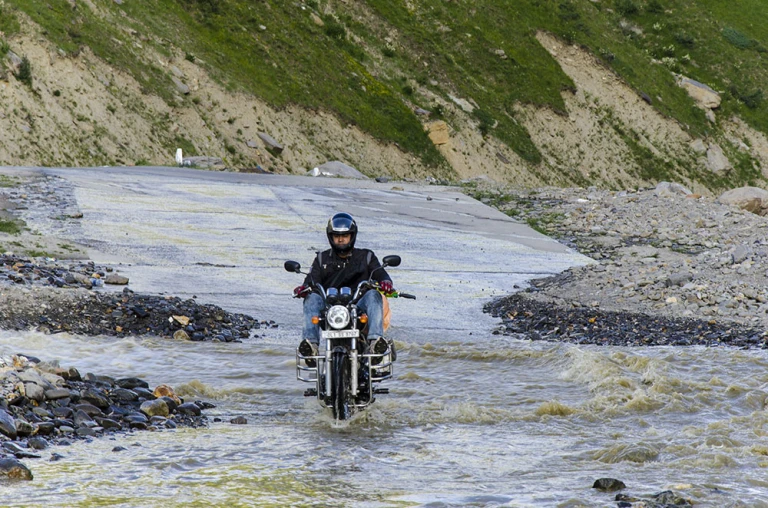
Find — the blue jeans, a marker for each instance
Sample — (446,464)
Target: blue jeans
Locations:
(370,304)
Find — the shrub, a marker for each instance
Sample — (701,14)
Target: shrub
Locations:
(568,11)
(486,121)
(190,57)
(25,72)
(737,38)
(4,48)
(654,7)
(752,100)
(684,39)
(626,7)
(335,30)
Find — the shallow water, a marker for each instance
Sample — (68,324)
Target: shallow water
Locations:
(473,419)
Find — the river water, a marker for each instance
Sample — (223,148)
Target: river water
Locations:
(473,418)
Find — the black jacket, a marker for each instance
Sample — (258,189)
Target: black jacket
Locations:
(330,270)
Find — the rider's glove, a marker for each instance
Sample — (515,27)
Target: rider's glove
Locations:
(301,291)
(386,286)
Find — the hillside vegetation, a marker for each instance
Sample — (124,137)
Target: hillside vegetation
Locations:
(388,67)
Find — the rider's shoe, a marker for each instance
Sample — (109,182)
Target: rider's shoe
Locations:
(378,346)
(392,350)
(307,348)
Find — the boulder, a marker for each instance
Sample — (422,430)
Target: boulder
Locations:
(14,470)
(180,85)
(608,484)
(698,146)
(189,409)
(156,407)
(717,162)
(671,189)
(271,143)
(166,391)
(752,199)
(704,96)
(116,279)
(438,132)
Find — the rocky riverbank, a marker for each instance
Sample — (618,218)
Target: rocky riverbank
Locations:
(54,296)
(43,405)
(670,268)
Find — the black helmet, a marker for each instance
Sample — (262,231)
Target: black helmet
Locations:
(341,224)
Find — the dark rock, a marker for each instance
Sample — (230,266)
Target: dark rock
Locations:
(608,484)
(119,449)
(144,393)
(57,393)
(172,404)
(82,419)
(95,397)
(131,383)
(89,409)
(14,470)
(124,394)
(669,498)
(189,409)
(63,412)
(45,428)
(238,420)
(24,428)
(37,443)
(7,424)
(108,423)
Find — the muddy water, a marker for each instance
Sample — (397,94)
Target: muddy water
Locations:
(474,419)
(471,421)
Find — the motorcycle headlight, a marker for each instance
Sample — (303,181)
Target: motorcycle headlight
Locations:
(337,316)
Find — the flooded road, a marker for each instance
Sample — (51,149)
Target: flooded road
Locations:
(473,419)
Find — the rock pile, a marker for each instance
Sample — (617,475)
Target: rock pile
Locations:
(43,405)
(89,312)
(50,272)
(658,252)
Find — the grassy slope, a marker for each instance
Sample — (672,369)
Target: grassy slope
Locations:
(349,67)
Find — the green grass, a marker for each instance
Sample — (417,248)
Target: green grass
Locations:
(8,181)
(276,51)
(10,227)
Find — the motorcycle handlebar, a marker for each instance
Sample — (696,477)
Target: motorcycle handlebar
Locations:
(406,295)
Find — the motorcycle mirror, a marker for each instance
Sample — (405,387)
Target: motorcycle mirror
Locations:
(292,266)
(391,260)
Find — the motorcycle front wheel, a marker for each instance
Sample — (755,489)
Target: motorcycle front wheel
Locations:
(340,390)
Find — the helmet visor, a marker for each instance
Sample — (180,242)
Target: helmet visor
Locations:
(341,224)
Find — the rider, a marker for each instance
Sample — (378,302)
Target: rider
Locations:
(343,266)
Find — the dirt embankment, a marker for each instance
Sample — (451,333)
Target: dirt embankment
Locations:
(80,111)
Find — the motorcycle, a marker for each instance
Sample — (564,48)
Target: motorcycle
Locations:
(345,373)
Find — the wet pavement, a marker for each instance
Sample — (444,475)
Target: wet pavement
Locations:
(223,237)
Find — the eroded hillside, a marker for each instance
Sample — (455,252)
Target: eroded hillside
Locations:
(149,93)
